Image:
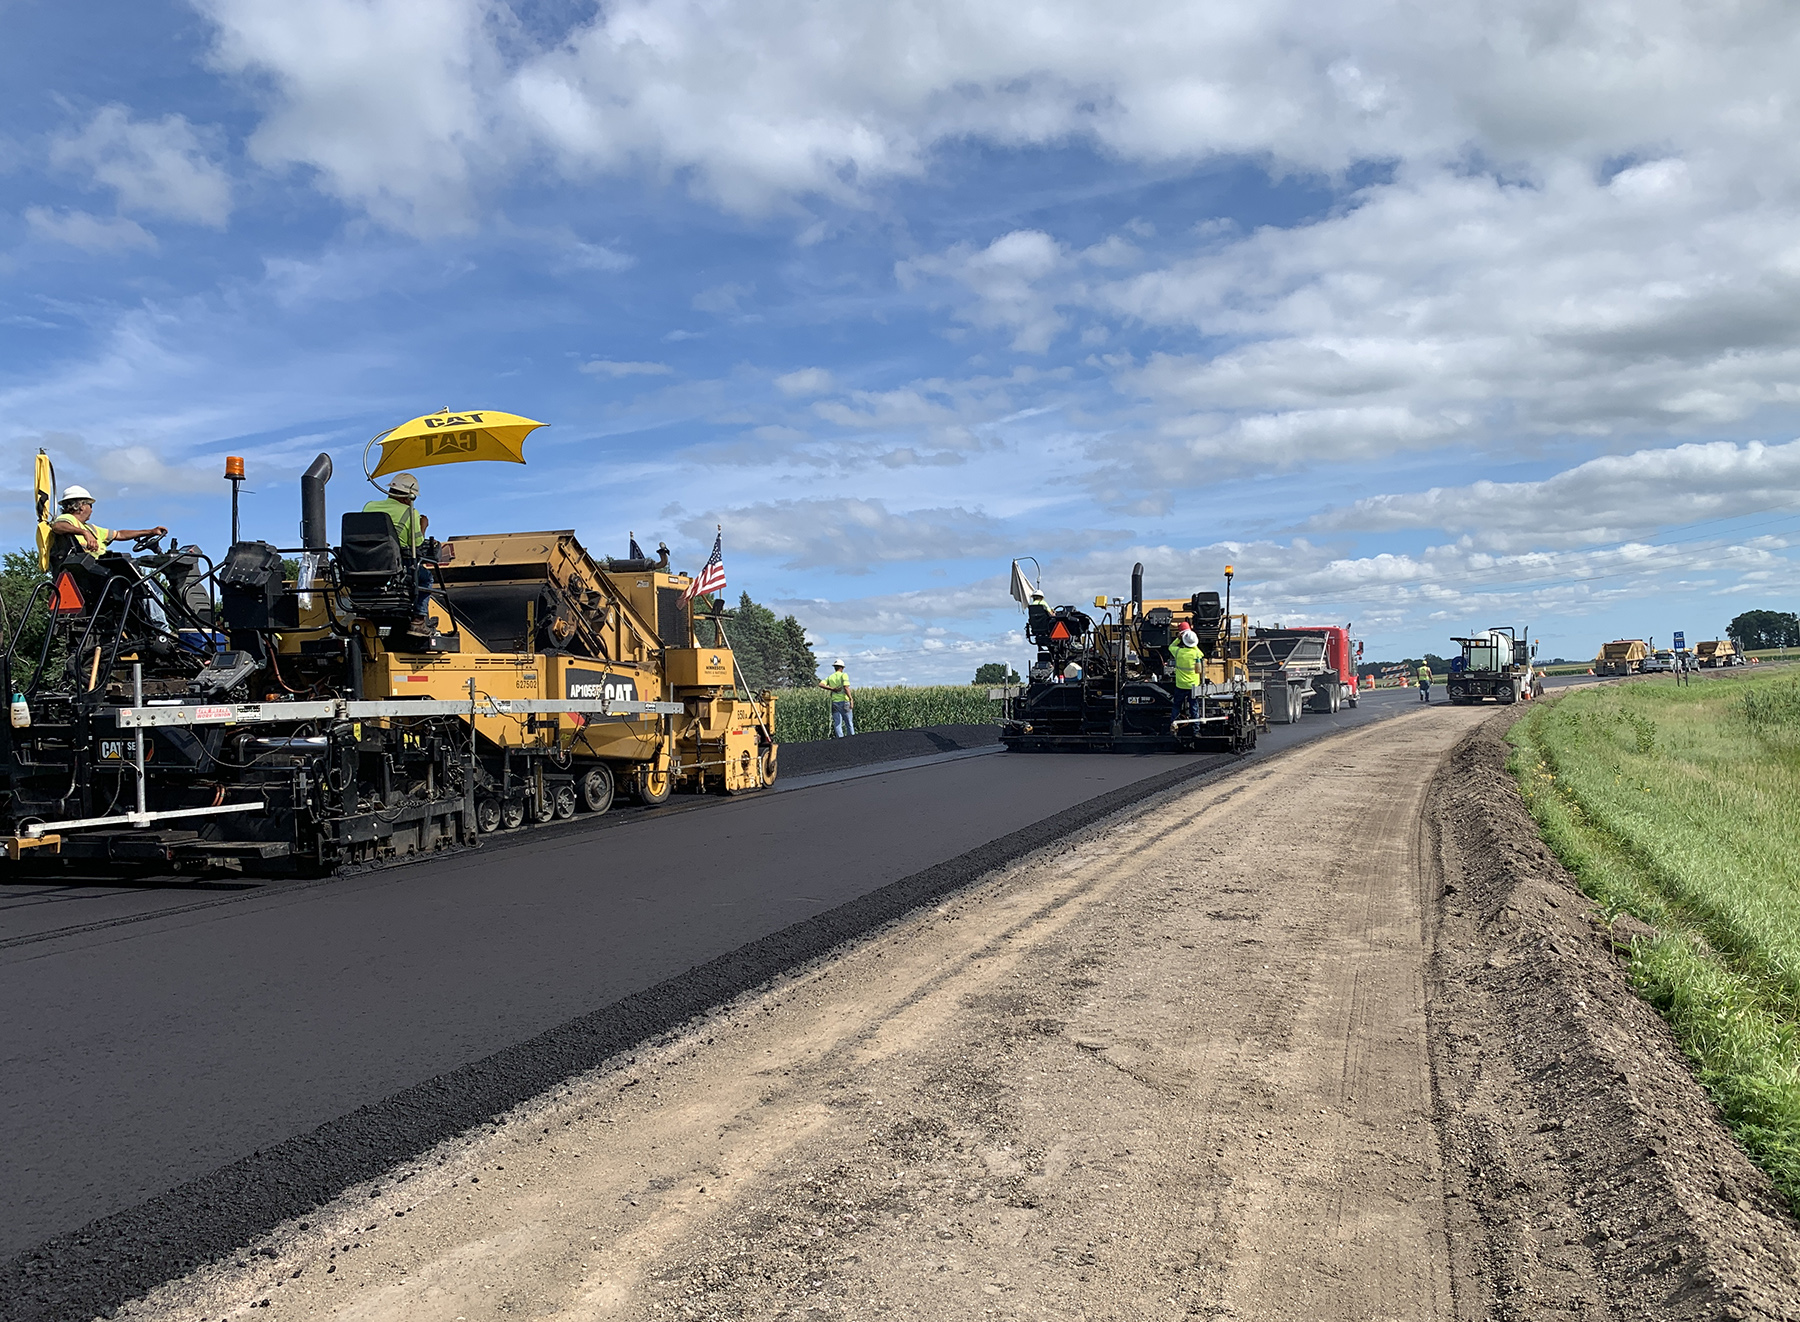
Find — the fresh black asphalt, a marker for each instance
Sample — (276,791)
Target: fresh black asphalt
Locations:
(182,1069)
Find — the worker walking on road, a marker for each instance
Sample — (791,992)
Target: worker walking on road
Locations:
(1424,682)
(1188,658)
(843,701)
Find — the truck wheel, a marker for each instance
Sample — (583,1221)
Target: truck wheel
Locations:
(564,802)
(653,787)
(487,816)
(512,815)
(595,789)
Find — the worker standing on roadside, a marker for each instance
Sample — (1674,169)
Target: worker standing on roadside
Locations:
(1188,658)
(843,701)
(1424,682)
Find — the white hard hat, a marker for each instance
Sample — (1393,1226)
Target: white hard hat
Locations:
(838,662)
(76,493)
(1189,638)
(403,484)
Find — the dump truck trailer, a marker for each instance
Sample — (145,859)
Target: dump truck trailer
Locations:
(1107,684)
(1622,656)
(1717,653)
(244,717)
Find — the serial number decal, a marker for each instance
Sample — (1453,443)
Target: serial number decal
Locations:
(597,685)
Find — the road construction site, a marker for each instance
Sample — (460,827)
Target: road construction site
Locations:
(1313,1031)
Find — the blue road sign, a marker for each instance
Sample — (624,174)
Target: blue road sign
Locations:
(1680,641)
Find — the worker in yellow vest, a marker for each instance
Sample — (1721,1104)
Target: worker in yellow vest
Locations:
(1424,682)
(72,530)
(1188,659)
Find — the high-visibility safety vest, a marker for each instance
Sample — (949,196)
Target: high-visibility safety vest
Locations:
(839,683)
(64,525)
(1187,665)
(406,521)
(1424,674)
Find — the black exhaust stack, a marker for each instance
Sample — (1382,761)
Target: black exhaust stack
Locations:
(315,532)
(1137,588)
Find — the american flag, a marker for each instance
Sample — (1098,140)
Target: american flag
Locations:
(712,573)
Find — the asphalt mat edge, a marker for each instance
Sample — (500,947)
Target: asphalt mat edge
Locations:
(88,1272)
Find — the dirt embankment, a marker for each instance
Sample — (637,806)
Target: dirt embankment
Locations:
(1222,1056)
(1576,1142)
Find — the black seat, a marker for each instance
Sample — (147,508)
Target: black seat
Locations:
(373,568)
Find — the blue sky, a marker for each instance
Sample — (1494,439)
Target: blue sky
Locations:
(1424,322)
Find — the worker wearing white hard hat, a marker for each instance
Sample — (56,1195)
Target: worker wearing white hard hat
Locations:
(409,527)
(75,530)
(843,700)
(1188,659)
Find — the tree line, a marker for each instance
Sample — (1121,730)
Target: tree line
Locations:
(1760,628)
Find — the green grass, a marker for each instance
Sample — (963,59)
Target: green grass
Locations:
(804,714)
(1678,805)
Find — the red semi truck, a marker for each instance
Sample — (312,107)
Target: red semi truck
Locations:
(1304,668)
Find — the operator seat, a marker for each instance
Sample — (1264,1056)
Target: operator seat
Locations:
(374,569)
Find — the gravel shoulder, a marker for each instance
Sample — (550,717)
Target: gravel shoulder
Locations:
(1301,1042)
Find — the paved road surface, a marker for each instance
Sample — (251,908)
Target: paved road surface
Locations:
(153,1035)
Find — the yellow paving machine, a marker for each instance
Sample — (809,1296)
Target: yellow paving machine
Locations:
(297,709)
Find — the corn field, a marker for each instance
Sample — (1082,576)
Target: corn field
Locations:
(805,714)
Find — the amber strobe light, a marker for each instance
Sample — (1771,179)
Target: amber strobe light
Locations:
(234,474)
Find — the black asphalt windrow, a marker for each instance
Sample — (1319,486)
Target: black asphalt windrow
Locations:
(93,1270)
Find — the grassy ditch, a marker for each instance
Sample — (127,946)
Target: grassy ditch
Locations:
(1678,806)
(803,714)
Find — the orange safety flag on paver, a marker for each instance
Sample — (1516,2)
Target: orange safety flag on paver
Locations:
(1061,631)
(67,596)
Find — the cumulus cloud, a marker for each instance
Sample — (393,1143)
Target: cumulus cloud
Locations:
(608,367)
(853,536)
(157,167)
(400,106)
(805,381)
(1604,500)
(80,229)
(1007,280)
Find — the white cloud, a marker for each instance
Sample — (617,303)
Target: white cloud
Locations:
(607,367)
(1006,279)
(388,102)
(157,167)
(852,536)
(401,106)
(79,229)
(1604,500)
(805,381)
(722,300)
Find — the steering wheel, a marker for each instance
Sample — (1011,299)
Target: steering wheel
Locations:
(148,542)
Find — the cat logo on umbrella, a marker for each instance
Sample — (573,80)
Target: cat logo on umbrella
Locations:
(450,438)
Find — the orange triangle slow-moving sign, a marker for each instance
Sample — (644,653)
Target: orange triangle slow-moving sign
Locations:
(67,597)
(1060,632)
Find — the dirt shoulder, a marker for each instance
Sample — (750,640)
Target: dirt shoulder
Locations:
(1217,1057)
(1574,1134)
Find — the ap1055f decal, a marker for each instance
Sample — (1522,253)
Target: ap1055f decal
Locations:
(598,685)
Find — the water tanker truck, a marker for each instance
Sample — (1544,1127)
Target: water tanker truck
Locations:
(1494,666)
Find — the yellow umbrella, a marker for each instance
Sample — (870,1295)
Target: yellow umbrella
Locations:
(454,438)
